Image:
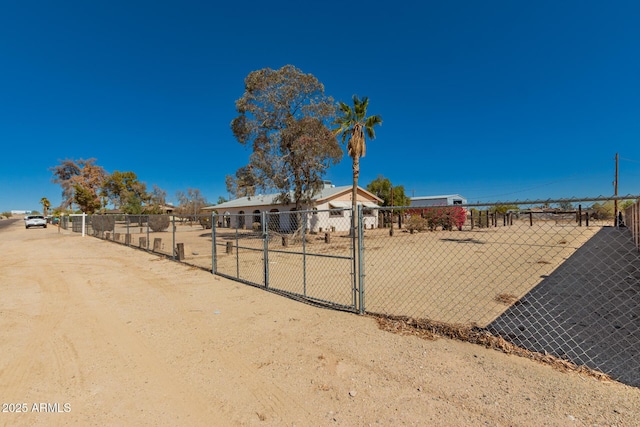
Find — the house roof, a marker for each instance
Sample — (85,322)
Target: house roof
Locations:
(446,196)
(325,194)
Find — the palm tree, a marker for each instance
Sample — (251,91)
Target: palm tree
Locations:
(45,205)
(354,123)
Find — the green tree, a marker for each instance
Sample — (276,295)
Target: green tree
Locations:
(79,174)
(86,198)
(625,204)
(282,116)
(243,184)
(353,126)
(603,210)
(46,204)
(566,206)
(382,187)
(503,209)
(124,190)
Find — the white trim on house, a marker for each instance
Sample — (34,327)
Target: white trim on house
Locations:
(331,210)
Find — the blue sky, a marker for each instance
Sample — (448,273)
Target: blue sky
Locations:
(500,100)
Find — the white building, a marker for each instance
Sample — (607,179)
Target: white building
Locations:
(330,210)
(446,200)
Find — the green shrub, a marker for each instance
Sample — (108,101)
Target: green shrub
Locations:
(205,222)
(417,223)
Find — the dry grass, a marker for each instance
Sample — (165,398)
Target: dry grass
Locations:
(507,299)
(430,330)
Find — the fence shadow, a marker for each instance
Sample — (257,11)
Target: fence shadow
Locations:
(586,311)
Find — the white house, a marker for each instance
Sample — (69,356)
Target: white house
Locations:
(446,200)
(329,210)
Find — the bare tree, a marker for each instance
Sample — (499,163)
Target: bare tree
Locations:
(191,203)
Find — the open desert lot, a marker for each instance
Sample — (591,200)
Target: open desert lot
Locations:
(97,334)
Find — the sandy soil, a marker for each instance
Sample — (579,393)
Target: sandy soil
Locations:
(102,334)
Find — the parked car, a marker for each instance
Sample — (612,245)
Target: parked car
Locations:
(35,221)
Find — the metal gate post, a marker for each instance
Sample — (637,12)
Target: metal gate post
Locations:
(214,266)
(237,251)
(265,250)
(173,241)
(354,254)
(361,307)
(304,252)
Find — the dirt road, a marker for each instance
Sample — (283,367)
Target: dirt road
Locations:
(95,333)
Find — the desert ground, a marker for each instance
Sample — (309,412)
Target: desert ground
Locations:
(95,333)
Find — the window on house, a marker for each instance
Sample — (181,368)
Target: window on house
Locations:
(336,212)
(457,202)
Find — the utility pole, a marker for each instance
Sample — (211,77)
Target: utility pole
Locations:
(615,193)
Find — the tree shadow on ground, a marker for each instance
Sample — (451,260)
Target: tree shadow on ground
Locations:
(469,240)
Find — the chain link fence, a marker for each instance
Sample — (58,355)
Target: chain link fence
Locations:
(185,238)
(632,221)
(564,282)
(556,278)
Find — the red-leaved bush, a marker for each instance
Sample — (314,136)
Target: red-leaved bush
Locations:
(446,217)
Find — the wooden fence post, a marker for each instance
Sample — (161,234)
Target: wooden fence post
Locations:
(580,215)
(180,251)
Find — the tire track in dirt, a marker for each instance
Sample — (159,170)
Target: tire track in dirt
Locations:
(130,354)
(40,346)
(251,386)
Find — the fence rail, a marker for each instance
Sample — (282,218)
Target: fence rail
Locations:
(561,281)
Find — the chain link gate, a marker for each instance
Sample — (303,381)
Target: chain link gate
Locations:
(305,254)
